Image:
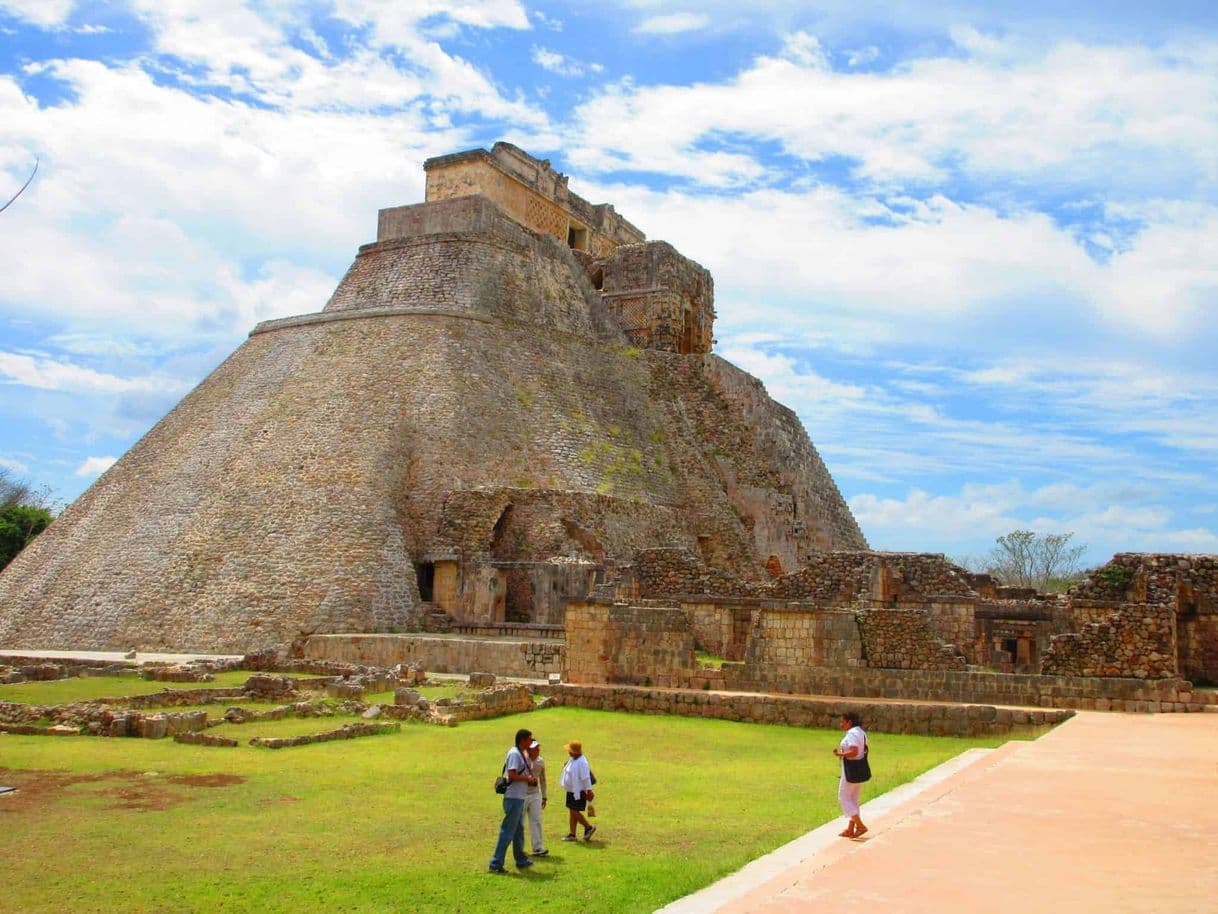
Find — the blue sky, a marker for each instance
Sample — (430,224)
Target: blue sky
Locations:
(975,247)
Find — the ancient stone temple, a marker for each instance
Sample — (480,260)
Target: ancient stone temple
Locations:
(510,396)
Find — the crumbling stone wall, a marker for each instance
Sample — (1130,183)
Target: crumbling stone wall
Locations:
(721,627)
(786,638)
(660,299)
(630,644)
(1134,640)
(904,639)
(531,658)
(1188,584)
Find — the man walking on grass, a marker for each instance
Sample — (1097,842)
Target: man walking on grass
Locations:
(520,776)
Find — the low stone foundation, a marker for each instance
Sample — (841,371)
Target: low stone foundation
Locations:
(525,659)
(204,739)
(803,711)
(351,731)
(1028,690)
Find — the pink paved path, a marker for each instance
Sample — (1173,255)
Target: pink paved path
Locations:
(1106,813)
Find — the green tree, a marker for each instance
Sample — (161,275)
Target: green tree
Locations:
(19,524)
(1023,558)
(24,513)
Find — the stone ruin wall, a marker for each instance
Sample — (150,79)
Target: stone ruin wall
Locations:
(785,639)
(660,299)
(904,639)
(1186,584)
(804,711)
(1130,639)
(603,646)
(530,658)
(637,645)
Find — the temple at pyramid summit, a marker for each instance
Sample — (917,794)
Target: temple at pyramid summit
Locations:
(509,402)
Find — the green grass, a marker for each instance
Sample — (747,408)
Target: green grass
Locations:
(407,821)
(62,691)
(454,690)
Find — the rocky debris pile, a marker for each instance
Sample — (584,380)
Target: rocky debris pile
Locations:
(239,715)
(350,731)
(345,688)
(179,672)
(155,726)
(481,680)
(498,701)
(408,673)
(266,687)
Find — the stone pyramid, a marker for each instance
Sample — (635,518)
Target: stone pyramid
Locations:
(510,393)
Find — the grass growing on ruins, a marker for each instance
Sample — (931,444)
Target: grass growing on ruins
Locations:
(406,821)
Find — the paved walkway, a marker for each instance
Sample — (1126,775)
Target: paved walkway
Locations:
(1107,813)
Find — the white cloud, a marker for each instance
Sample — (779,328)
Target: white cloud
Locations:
(1068,109)
(15,465)
(672,24)
(1096,516)
(44,13)
(48,374)
(862,56)
(95,466)
(561,64)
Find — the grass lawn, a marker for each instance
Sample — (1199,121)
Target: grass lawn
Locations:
(60,691)
(407,821)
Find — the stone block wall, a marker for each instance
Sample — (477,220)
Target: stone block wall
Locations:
(526,659)
(721,627)
(508,698)
(904,639)
(793,638)
(903,717)
(629,644)
(660,299)
(1012,689)
(1135,640)
(955,623)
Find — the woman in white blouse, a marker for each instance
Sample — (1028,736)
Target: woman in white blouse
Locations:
(852,746)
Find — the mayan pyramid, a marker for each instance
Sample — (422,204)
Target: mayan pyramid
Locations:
(510,393)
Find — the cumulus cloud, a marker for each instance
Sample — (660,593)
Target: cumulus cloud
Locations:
(48,374)
(672,24)
(44,13)
(1067,110)
(1104,518)
(95,466)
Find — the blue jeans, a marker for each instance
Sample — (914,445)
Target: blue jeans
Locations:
(511,832)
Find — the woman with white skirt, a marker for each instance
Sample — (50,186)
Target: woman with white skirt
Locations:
(853,749)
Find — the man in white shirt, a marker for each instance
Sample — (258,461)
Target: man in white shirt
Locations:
(519,776)
(535,801)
